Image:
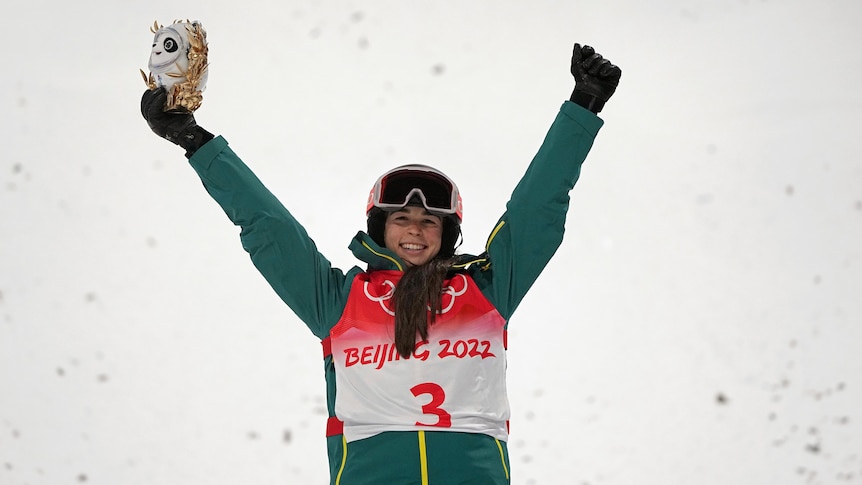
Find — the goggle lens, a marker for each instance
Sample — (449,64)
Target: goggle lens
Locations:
(396,190)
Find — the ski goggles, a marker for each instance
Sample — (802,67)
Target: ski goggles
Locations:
(395,189)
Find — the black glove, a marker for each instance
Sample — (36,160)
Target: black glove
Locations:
(596,78)
(178,127)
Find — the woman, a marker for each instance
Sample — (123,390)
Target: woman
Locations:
(414,343)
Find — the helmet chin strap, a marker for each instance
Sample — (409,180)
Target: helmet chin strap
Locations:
(460,239)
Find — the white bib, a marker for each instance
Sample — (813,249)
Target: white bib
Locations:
(455,381)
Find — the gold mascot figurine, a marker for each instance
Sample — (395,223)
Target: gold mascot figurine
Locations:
(178,62)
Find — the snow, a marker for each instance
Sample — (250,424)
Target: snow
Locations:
(700,323)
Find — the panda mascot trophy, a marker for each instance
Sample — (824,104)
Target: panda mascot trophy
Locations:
(178,63)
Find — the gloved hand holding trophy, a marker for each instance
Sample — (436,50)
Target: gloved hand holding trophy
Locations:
(178,76)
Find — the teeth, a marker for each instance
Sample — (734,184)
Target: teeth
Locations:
(412,246)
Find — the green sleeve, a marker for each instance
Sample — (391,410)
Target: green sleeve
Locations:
(278,245)
(530,231)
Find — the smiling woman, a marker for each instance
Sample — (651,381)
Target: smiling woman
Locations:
(414,344)
(414,234)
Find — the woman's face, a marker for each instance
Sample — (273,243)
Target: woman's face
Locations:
(413,234)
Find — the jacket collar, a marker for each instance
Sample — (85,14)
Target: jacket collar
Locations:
(377,258)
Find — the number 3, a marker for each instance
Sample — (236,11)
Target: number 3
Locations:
(444,419)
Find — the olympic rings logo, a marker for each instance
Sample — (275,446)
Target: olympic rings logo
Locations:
(449,291)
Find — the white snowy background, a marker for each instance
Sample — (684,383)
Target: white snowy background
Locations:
(701,323)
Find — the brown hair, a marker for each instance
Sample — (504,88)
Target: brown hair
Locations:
(417,300)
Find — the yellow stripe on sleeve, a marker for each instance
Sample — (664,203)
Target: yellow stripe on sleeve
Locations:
(494,233)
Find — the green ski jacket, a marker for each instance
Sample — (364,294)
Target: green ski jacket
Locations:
(520,246)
